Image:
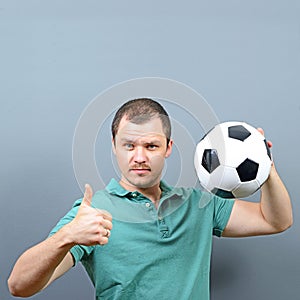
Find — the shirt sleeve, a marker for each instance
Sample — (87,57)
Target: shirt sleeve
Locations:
(222,212)
(78,251)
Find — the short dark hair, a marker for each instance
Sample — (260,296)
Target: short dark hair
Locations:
(139,111)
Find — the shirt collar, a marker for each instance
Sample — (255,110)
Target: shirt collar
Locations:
(116,189)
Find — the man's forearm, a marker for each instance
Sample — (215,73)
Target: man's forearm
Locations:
(275,202)
(35,267)
(50,259)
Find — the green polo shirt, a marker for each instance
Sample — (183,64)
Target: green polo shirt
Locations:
(153,253)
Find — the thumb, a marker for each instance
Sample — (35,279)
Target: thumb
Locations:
(88,195)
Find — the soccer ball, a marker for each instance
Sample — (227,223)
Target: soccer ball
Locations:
(232,160)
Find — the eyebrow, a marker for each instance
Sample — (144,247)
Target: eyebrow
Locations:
(133,141)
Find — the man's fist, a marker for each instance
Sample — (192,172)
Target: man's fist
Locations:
(91,226)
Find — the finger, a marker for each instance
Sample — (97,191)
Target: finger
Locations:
(105,214)
(260,130)
(104,237)
(106,233)
(103,241)
(270,144)
(88,195)
(107,224)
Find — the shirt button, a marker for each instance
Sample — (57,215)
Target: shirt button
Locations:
(134,194)
(148,204)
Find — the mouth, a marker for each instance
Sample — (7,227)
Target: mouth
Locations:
(140,171)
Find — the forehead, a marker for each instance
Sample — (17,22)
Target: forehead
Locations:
(150,128)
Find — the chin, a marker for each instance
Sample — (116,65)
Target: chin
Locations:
(144,184)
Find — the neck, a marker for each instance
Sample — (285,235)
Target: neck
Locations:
(153,193)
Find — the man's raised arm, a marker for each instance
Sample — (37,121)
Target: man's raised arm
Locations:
(273,214)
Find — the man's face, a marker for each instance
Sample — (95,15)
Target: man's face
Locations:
(141,150)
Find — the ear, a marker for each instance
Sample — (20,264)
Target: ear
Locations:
(113,145)
(169,149)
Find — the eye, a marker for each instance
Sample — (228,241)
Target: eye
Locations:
(152,147)
(128,146)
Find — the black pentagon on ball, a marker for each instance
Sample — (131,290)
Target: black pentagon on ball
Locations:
(247,170)
(222,193)
(238,132)
(210,160)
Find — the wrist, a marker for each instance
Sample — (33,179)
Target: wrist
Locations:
(66,238)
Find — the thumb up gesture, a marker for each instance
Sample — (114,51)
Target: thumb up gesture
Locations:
(91,226)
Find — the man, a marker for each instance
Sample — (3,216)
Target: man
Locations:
(166,256)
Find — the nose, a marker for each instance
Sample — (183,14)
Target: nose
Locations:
(139,155)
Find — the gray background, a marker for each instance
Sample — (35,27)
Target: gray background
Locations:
(243,57)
